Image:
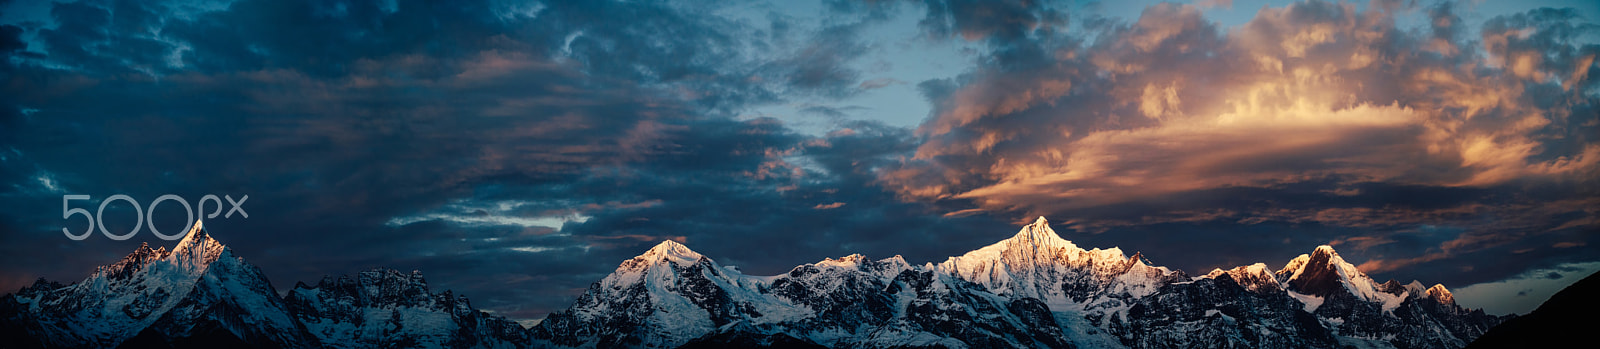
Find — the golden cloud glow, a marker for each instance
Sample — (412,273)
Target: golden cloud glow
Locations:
(1173,104)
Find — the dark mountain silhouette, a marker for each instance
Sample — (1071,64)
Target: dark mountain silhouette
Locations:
(1563,321)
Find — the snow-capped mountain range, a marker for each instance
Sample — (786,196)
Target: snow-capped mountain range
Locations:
(200,295)
(198,290)
(1033,290)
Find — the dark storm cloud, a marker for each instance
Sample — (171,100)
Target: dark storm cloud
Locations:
(719,63)
(1017,32)
(326,163)
(822,63)
(514,154)
(11,39)
(999,20)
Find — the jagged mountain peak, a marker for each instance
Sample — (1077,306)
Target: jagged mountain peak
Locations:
(380,278)
(1324,273)
(138,259)
(895,264)
(897,259)
(1324,250)
(197,248)
(1392,287)
(1038,263)
(159,294)
(1320,273)
(1255,277)
(192,256)
(392,275)
(660,266)
(852,260)
(673,251)
(1039,234)
(1038,244)
(384,307)
(1032,282)
(380,285)
(1320,256)
(197,235)
(1031,290)
(1441,294)
(886,268)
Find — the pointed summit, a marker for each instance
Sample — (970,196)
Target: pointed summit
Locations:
(1038,263)
(852,260)
(1441,294)
(196,234)
(671,247)
(1324,250)
(1320,273)
(197,249)
(669,250)
(196,289)
(1039,235)
(1254,277)
(1323,273)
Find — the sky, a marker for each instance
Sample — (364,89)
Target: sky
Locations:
(516,151)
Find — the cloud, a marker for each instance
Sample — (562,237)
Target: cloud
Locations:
(1215,3)
(977,20)
(515,153)
(1299,92)
(879,83)
(1172,118)
(1569,244)
(11,39)
(828,206)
